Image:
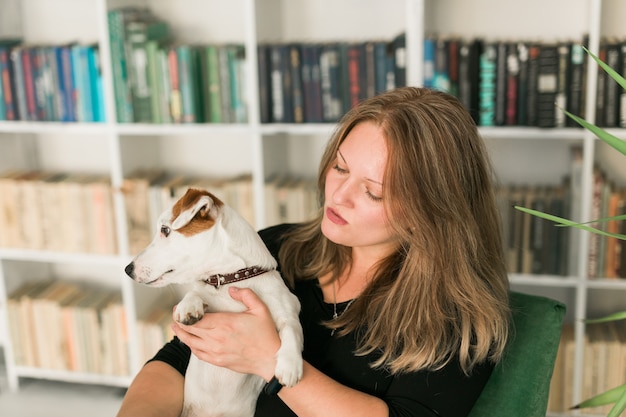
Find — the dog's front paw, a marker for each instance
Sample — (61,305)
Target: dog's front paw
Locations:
(288,369)
(189,311)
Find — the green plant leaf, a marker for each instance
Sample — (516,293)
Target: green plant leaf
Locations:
(621,315)
(620,405)
(565,222)
(607,397)
(614,74)
(603,220)
(610,139)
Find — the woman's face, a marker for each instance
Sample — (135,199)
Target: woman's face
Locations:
(354,212)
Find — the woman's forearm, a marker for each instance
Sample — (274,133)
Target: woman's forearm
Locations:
(318,395)
(156,391)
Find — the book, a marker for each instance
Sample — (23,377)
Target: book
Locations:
(265,98)
(282,104)
(612,90)
(239,99)
(117,20)
(186,80)
(176,103)
(332,85)
(18,82)
(522,84)
(297,90)
(430,53)
(532,112)
(137,33)
(563,82)
(575,93)
(547,84)
(312,83)
(225,57)
(441,76)
(502,79)
(355,73)
(469,76)
(399,47)
(601,81)
(512,84)
(487,92)
(209,62)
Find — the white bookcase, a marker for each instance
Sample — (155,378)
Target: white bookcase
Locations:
(530,155)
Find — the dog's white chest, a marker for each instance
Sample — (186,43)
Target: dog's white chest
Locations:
(211,391)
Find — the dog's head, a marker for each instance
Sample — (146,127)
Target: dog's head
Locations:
(198,236)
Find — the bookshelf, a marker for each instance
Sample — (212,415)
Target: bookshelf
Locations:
(227,150)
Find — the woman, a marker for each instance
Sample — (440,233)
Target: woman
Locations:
(401,277)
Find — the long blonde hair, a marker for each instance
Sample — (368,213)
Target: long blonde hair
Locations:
(443,295)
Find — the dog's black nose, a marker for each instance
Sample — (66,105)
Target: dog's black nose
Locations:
(130,269)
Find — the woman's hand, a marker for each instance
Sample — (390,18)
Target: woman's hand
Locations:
(244,342)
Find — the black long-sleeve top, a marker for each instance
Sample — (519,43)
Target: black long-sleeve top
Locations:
(447,392)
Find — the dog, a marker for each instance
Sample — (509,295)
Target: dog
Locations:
(202,241)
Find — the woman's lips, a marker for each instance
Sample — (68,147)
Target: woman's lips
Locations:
(334,217)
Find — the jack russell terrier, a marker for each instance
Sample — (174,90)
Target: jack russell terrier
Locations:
(203,242)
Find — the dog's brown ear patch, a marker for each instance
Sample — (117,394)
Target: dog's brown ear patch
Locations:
(198,207)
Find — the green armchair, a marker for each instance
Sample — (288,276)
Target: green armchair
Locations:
(520,383)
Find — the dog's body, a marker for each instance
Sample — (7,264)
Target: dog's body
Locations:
(202,241)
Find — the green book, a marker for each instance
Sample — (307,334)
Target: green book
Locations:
(186,82)
(138,34)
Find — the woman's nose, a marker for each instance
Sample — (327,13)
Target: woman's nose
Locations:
(344,193)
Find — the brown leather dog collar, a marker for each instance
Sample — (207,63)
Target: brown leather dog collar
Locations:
(221,279)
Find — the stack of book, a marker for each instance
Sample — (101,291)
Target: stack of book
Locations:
(50,83)
(157,80)
(57,211)
(64,326)
(537,246)
(604,359)
(319,82)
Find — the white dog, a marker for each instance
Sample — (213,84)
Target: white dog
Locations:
(203,241)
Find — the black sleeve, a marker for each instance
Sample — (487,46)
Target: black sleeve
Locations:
(176,354)
(444,393)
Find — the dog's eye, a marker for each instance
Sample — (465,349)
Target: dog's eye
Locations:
(165,230)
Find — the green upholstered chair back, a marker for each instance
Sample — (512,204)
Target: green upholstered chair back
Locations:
(520,383)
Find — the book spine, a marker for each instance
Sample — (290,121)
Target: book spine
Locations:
(501,83)
(265,99)
(354,75)
(77,81)
(175,99)
(533,78)
(3,86)
(295,68)
(575,103)
(563,83)
(187,90)
(123,101)
(612,89)
(225,71)
(487,109)
(215,95)
(399,47)
(512,82)
(522,84)
(441,77)
(29,84)
(547,85)
(429,61)
(19,87)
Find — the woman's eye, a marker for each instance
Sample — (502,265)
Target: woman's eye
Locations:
(373,197)
(165,231)
(339,169)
